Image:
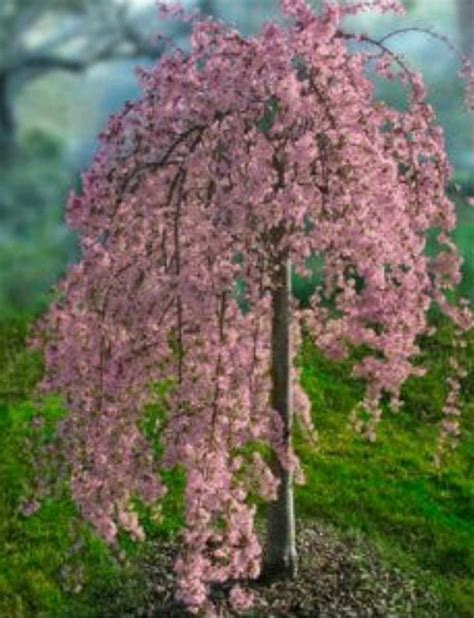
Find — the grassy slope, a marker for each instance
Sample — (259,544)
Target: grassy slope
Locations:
(51,564)
(418,518)
(389,490)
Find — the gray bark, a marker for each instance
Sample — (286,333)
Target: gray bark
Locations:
(466,32)
(280,556)
(7,122)
(208,7)
(466,26)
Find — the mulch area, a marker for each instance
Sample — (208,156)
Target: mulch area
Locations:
(339,577)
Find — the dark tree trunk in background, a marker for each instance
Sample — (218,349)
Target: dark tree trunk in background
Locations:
(466,32)
(208,7)
(7,122)
(280,557)
(466,26)
(409,4)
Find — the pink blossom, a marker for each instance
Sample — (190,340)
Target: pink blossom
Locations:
(240,599)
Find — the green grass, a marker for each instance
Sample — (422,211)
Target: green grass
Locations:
(389,490)
(51,564)
(420,520)
(34,549)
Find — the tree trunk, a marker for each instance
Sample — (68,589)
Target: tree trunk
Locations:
(466,26)
(280,557)
(466,32)
(207,7)
(7,124)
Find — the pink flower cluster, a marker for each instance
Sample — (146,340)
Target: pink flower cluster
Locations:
(209,178)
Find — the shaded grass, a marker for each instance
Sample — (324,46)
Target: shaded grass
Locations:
(35,549)
(420,519)
(51,564)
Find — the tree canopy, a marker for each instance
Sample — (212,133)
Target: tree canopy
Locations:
(241,156)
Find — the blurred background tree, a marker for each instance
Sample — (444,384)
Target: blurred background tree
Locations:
(466,26)
(38,40)
(465,10)
(39,36)
(66,65)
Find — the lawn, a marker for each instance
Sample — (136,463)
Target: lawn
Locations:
(418,519)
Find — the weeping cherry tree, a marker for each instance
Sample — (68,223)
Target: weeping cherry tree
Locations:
(243,158)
